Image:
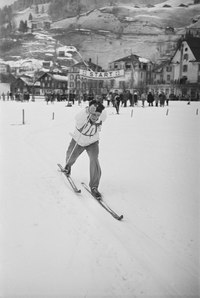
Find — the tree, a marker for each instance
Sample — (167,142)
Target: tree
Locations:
(23,26)
(30,17)
(36,9)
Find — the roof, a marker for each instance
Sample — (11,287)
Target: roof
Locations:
(194,44)
(89,64)
(132,58)
(195,25)
(55,76)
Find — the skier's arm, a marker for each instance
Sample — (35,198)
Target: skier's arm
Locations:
(82,118)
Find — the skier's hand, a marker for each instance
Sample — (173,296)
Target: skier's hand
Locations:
(92,109)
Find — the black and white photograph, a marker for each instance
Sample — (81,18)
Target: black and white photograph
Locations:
(99,149)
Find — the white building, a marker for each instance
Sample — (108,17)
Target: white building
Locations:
(186,61)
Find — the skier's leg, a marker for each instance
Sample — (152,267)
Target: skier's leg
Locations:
(95,169)
(73,152)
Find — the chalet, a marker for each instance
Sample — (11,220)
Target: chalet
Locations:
(39,23)
(53,82)
(24,84)
(137,72)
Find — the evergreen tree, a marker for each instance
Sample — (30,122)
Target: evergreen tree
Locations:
(30,17)
(36,9)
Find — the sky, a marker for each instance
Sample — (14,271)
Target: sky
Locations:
(54,243)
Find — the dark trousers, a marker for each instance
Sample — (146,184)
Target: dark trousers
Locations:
(93,153)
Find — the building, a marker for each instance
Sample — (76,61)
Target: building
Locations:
(80,85)
(193,30)
(186,68)
(53,82)
(137,73)
(162,78)
(24,84)
(4,68)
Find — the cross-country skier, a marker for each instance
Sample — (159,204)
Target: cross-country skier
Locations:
(86,137)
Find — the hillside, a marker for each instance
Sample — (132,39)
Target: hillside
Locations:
(111,32)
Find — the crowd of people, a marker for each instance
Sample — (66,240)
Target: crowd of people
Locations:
(17,96)
(113,98)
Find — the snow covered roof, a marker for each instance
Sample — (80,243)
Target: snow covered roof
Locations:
(58,77)
(133,58)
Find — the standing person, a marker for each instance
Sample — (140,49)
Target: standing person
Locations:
(150,98)
(3,96)
(108,98)
(143,98)
(162,98)
(135,98)
(86,137)
(156,99)
(117,102)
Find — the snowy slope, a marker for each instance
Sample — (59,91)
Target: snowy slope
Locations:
(58,244)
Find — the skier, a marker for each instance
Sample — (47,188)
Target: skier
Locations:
(117,102)
(86,137)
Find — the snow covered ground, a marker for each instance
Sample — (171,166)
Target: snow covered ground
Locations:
(55,243)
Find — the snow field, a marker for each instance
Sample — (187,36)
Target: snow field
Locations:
(58,244)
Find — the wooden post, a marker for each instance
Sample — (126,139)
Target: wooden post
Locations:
(23,117)
(131,113)
(197,111)
(53,116)
(167,112)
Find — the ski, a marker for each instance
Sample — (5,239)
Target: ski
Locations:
(69,178)
(103,203)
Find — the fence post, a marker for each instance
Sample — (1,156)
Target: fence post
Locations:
(131,113)
(23,117)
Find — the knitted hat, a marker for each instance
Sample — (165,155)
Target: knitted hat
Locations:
(98,105)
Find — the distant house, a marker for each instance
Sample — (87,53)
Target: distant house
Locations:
(4,68)
(169,30)
(193,30)
(166,6)
(53,82)
(137,72)
(39,23)
(183,5)
(23,84)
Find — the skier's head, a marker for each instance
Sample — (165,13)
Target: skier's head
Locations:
(97,109)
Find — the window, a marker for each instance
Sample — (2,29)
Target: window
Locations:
(127,66)
(168,78)
(185,68)
(185,57)
(71,77)
(168,68)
